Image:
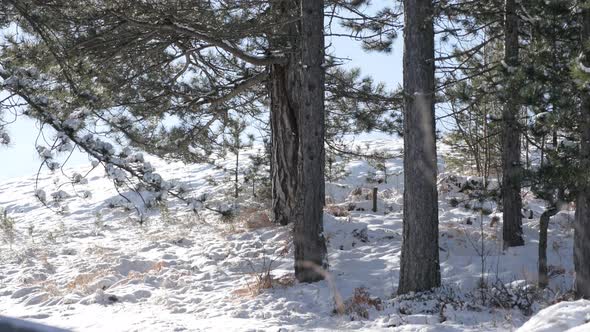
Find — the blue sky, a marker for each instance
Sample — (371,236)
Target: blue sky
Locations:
(20,157)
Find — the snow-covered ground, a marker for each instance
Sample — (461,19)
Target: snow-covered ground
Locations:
(94,268)
(563,316)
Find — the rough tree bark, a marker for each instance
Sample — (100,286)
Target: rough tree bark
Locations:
(543,226)
(582,222)
(511,168)
(308,238)
(284,88)
(420,268)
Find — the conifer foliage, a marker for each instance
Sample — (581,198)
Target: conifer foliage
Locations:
(187,80)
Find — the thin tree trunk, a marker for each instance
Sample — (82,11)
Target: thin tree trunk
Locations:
(543,226)
(308,238)
(582,222)
(284,88)
(236,183)
(420,268)
(511,168)
(486,141)
(542,163)
(525,141)
(528,153)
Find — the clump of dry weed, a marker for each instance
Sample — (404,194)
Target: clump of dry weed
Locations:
(359,304)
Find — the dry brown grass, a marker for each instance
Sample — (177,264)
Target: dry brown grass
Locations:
(157,267)
(45,262)
(285,248)
(262,282)
(99,250)
(257,219)
(243,292)
(337,210)
(154,269)
(248,219)
(360,303)
(262,279)
(285,281)
(83,280)
(254,287)
(51,288)
(360,194)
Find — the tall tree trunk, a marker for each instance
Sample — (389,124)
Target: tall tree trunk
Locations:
(420,268)
(582,222)
(308,238)
(297,126)
(284,88)
(285,143)
(511,168)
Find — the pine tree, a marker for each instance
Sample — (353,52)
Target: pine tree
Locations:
(285,87)
(308,237)
(582,222)
(164,75)
(420,268)
(511,164)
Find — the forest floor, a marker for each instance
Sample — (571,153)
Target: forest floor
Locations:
(94,268)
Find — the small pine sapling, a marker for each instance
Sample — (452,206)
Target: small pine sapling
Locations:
(31,232)
(235,144)
(98,223)
(257,173)
(379,162)
(335,166)
(7,227)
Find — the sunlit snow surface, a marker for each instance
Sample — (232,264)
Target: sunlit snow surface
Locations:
(93,268)
(563,316)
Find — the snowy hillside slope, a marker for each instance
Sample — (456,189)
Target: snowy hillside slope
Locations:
(563,316)
(94,268)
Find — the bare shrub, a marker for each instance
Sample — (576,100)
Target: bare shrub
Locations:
(154,269)
(358,306)
(337,210)
(360,194)
(257,219)
(513,296)
(261,279)
(250,218)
